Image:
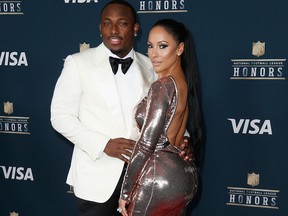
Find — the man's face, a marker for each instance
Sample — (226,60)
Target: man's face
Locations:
(117,28)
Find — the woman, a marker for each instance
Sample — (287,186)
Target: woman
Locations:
(158,181)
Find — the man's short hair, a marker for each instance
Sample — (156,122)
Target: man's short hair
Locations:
(124,3)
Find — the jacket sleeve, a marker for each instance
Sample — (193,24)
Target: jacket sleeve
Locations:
(65,108)
(154,121)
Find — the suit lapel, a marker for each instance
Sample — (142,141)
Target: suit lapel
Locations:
(147,77)
(107,87)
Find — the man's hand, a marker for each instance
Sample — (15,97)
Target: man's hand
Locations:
(120,148)
(186,152)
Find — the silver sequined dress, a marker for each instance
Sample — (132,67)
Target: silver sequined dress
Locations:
(158,181)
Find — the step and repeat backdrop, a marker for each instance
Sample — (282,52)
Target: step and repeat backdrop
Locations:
(242,50)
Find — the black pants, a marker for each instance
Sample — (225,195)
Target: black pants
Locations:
(109,208)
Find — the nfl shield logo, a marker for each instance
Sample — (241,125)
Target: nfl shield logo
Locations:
(258,48)
(8,107)
(14,214)
(253,179)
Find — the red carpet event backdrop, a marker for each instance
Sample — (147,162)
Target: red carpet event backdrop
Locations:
(242,54)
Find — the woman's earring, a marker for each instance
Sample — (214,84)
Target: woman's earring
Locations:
(100,35)
(135,35)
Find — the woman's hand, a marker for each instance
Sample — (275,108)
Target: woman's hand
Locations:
(122,207)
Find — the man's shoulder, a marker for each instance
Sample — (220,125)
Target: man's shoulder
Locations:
(141,56)
(142,59)
(89,52)
(94,55)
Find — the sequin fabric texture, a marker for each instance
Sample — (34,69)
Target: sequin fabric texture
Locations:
(158,181)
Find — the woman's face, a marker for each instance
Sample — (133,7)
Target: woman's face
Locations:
(163,50)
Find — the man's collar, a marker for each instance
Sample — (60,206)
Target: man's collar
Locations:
(130,54)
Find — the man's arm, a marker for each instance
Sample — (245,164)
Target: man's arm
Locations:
(65,108)
(186,152)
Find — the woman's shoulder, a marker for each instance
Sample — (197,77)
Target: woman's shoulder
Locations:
(164,84)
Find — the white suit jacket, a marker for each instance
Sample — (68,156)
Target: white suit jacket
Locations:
(87,111)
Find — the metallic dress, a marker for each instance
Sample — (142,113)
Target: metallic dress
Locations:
(158,181)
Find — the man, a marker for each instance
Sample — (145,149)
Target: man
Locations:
(93,108)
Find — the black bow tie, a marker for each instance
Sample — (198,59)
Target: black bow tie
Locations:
(125,64)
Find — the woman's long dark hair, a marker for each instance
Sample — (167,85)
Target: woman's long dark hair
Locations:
(189,65)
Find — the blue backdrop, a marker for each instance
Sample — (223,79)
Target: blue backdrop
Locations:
(241,49)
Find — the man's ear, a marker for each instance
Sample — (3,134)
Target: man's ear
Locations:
(136,28)
(100,30)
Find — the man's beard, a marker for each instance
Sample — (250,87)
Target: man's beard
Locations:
(116,52)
